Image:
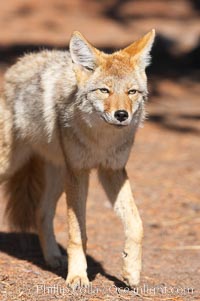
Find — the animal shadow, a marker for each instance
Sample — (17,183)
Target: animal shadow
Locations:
(26,246)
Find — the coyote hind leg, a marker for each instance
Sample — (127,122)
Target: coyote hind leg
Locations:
(13,154)
(45,214)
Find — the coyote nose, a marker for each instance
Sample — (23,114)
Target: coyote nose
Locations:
(121,115)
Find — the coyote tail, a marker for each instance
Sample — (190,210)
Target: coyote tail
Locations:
(23,193)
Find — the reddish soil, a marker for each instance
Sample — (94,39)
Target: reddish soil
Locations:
(163,166)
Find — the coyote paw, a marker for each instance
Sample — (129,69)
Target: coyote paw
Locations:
(76,281)
(55,262)
(131,279)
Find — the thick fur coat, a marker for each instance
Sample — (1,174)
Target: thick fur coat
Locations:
(61,114)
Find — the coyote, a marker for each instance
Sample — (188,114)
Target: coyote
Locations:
(61,114)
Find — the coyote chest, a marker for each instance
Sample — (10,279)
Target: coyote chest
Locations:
(109,150)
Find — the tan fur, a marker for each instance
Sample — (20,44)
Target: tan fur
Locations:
(118,64)
(117,187)
(118,102)
(23,191)
(6,138)
(58,121)
(137,47)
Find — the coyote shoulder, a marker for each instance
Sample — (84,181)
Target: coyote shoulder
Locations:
(61,114)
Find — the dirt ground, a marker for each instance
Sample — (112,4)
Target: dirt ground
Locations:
(163,165)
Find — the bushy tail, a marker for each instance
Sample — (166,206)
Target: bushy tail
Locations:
(23,192)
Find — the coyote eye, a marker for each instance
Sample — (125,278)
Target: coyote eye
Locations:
(104,90)
(132,91)
(88,68)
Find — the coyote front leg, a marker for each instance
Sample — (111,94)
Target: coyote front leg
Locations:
(117,187)
(76,190)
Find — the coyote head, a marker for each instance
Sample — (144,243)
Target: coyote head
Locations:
(111,87)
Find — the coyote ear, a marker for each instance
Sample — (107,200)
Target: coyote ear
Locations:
(140,50)
(82,52)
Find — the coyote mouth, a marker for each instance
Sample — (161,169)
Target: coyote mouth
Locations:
(120,125)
